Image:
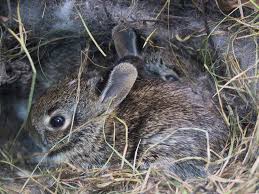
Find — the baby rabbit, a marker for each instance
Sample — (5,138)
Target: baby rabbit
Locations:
(169,125)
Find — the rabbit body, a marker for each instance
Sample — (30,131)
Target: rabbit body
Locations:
(164,121)
(91,121)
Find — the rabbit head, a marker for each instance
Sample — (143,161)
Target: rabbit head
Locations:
(70,110)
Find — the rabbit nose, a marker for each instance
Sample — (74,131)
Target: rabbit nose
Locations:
(29,143)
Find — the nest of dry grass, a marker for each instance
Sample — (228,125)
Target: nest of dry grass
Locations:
(239,169)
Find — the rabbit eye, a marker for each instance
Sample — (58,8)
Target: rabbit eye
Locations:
(57,121)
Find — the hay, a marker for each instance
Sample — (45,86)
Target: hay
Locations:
(238,170)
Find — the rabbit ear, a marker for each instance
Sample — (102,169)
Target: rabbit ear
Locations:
(119,84)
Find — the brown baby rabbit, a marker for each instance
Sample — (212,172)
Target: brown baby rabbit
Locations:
(169,125)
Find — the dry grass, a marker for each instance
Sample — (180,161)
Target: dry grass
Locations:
(239,169)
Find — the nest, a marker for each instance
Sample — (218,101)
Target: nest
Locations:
(225,50)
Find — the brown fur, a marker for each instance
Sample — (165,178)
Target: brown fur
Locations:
(158,123)
(156,112)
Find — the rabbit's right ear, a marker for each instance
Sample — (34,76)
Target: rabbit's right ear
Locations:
(119,84)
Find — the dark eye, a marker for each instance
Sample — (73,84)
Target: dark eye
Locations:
(57,121)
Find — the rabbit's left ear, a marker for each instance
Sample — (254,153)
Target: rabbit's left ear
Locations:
(119,84)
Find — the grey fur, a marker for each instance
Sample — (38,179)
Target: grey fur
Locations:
(177,126)
(121,80)
(159,113)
